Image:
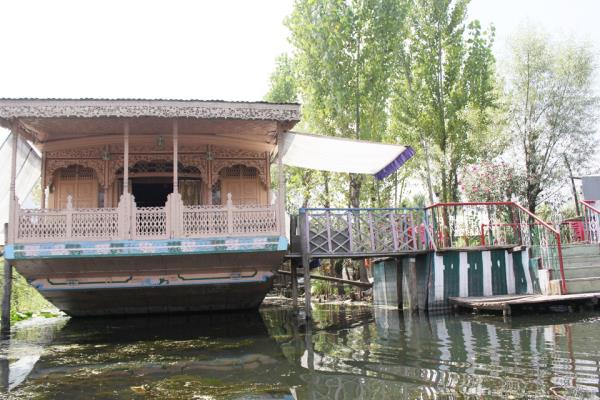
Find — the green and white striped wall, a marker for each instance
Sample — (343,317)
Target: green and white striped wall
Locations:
(476,273)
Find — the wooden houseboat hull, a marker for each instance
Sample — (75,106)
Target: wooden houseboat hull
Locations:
(133,277)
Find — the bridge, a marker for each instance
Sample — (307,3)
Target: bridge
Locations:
(438,230)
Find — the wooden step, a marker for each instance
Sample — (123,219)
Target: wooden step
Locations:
(583,285)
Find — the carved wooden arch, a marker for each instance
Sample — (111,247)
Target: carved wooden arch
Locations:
(187,160)
(218,165)
(52,165)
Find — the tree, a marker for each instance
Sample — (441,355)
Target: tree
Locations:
(283,88)
(344,54)
(445,92)
(551,109)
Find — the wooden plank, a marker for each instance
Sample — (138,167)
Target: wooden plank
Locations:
(504,303)
(332,279)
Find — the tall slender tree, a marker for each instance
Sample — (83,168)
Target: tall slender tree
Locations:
(444,92)
(344,53)
(552,109)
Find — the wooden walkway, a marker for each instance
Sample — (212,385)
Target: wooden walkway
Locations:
(509,303)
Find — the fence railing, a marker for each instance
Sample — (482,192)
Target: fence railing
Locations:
(584,229)
(591,222)
(462,225)
(128,221)
(364,231)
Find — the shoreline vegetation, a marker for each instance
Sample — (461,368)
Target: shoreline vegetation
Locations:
(26,302)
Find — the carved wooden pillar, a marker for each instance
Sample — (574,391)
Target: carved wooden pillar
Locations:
(126,158)
(43,181)
(209,172)
(12,192)
(175,157)
(281,184)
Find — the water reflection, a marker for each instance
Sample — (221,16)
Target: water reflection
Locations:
(348,352)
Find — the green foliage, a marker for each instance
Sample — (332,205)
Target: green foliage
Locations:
(552,110)
(25,300)
(445,92)
(344,57)
(283,83)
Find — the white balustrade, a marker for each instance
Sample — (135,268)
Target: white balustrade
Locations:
(127,221)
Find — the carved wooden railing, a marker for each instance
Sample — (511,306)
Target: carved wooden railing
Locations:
(150,223)
(127,221)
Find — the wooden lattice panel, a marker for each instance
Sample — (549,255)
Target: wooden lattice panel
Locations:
(201,221)
(254,220)
(357,231)
(151,223)
(95,223)
(41,225)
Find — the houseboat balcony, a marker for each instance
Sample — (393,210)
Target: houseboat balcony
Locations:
(129,222)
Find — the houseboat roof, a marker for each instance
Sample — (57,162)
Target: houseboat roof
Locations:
(47,121)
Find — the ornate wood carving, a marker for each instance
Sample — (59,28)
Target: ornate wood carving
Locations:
(190,160)
(185,159)
(53,164)
(199,150)
(86,152)
(218,165)
(228,152)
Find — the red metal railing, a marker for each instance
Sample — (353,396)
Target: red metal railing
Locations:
(469,224)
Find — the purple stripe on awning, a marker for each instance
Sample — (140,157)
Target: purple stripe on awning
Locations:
(397,163)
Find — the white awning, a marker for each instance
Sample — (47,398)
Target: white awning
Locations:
(327,153)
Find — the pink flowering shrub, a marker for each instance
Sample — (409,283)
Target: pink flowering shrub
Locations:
(488,181)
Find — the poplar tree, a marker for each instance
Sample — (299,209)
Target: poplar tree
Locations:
(444,93)
(344,52)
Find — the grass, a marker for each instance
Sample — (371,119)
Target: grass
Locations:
(26,302)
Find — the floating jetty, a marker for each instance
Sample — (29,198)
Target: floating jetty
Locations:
(507,304)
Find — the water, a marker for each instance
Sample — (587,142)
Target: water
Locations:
(349,352)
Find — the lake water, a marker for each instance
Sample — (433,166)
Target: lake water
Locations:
(348,352)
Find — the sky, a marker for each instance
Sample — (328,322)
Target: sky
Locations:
(203,49)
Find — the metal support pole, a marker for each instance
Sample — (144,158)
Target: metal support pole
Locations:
(304,241)
(175,157)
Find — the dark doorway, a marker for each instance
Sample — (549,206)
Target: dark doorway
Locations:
(151,194)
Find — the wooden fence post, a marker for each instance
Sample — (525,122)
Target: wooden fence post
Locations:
(305,249)
(229,214)
(69,227)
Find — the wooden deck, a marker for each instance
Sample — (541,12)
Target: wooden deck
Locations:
(509,303)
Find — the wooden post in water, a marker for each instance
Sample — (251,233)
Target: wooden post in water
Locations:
(294,269)
(304,244)
(7,287)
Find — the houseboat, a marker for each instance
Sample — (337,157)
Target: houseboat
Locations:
(149,206)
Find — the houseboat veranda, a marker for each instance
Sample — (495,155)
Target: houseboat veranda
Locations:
(149,205)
